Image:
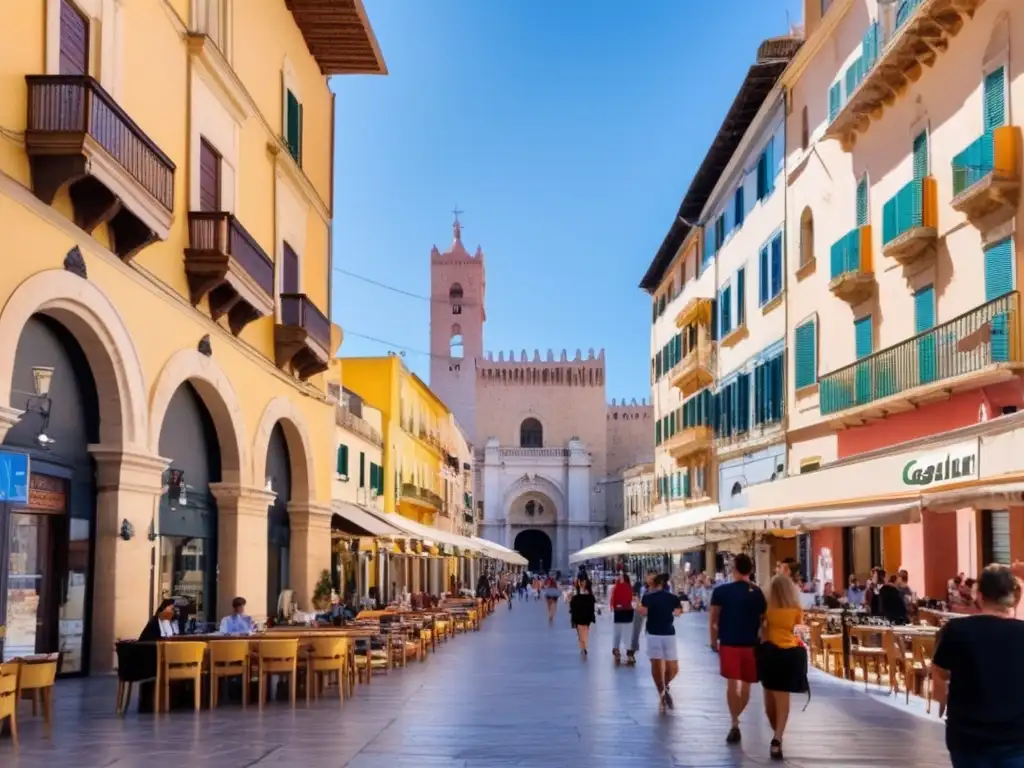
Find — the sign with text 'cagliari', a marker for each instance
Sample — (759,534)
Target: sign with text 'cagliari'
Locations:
(949,464)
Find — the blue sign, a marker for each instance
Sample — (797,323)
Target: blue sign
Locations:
(13,478)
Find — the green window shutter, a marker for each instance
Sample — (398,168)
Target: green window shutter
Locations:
(657,432)
(835,101)
(741,296)
(743,402)
(373,475)
(995,99)
(924,309)
(726,310)
(921,155)
(293,125)
(759,394)
(862,201)
(362,469)
(686,484)
(764,277)
(343,459)
(864,336)
(998,269)
(806,355)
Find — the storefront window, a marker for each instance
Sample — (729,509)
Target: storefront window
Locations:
(184,573)
(26,589)
(73,602)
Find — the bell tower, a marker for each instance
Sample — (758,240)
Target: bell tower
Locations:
(457,326)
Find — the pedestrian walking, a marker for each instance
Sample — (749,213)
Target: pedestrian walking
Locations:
(660,607)
(978,674)
(583,612)
(782,658)
(735,626)
(639,590)
(621,605)
(551,594)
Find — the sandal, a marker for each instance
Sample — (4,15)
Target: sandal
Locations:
(775,752)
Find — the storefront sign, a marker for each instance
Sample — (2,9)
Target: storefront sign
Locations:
(955,462)
(47,494)
(14,476)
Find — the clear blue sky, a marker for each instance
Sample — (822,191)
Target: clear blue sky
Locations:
(566,130)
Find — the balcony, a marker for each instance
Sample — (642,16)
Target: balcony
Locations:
(414,494)
(345,419)
(697,369)
(302,336)
(224,263)
(689,442)
(910,221)
(986,176)
(922,32)
(853,276)
(696,310)
(77,135)
(979,348)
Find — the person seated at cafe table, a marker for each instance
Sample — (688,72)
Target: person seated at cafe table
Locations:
(891,604)
(237,623)
(163,623)
(829,598)
(854,593)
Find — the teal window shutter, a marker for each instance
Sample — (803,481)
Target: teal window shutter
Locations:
(373,475)
(686,484)
(738,205)
(864,337)
(924,309)
(764,278)
(657,432)
(741,296)
(995,99)
(759,394)
(835,100)
(343,459)
(743,395)
(998,269)
(806,354)
(762,176)
(769,154)
(921,155)
(862,201)
(776,287)
(726,312)
(293,126)
(924,320)
(777,388)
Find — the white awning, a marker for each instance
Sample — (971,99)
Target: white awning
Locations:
(664,545)
(364,520)
(816,518)
(498,552)
(413,530)
(984,496)
(675,524)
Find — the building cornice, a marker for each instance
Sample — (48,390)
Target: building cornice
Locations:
(813,44)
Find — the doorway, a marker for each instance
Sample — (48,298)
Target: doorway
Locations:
(535,546)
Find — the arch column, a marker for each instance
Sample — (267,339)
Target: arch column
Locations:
(8,418)
(310,547)
(242,513)
(129,484)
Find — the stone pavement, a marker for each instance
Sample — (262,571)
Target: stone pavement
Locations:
(514,694)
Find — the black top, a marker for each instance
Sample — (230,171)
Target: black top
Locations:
(661,606)
(891,604)
(741,606)
(582,608)
(986,682)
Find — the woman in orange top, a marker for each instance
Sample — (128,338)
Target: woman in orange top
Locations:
(782,658)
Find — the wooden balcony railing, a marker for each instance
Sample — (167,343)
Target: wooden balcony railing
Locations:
(71,117)
(853,277)
(303,335)
(910,220)
(297,310)
(986,175)
(225,264)
(979,340)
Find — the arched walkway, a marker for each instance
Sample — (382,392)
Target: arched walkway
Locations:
(536,547)
(89,316)
(282,411)
(217,394)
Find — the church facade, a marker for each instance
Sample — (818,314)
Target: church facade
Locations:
(549,449)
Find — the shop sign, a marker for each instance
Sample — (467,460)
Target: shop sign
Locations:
(954,462)
(14,475)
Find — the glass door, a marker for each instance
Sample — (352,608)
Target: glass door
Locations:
(31,605)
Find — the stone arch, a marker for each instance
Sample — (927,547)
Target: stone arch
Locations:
(536,485)
(455,292)
(531,433)
(300,447)
(217,394)
(90,317)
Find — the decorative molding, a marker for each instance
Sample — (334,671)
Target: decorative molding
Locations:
(205,347)
(74,263)
(217,73)
(289,170)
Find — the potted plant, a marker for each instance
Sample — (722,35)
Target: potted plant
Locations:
(322,592)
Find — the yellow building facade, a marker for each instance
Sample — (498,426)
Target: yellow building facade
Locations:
(165,204)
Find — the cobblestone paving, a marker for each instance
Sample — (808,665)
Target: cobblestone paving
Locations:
(514,694)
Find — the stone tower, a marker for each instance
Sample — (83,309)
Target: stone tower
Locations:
(457,327)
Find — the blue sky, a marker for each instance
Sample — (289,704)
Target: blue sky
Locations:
(566,130)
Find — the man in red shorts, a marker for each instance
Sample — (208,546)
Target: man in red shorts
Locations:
(736,612)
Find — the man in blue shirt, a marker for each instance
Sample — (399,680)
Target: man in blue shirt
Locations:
(237,623)
(855,593)
(660,607)
(736,612)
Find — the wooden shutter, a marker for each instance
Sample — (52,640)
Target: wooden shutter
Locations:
(74,40)
(741,296)
(726,312)
(209,177)
(776,265)
(743,395)
(362,469)
(343,459)
(806,355)
(862,201)
(998,269)
(764,278)
(863,336)
(995,99)
(293,125)
(996,536)
(657,432)
(921,155)
(289,270)
(714,319)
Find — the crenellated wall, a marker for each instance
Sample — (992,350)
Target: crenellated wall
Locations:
(629,433)
(580,371)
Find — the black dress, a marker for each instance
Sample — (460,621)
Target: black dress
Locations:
(583,609)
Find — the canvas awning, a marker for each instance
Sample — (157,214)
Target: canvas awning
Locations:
(815,518)
(498,552)
(664,545)
(361,522)
(990,495)
(430,536)
(676,523)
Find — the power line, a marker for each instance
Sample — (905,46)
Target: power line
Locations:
(392,344)
(401,291)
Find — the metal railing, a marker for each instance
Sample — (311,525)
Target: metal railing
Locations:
(347,420)
(70,104)
(846,256)
(413,491)
(985,336)
(220,231)
(534,452)
(974,163)
(904,211)
(298,310)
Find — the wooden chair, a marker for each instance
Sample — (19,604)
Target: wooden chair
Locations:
(919,667)
(228,659)
(277,657)
(896,658)
(832,649)
(327,656)
(9,698)
(136,663)
(181,661)
(373,659)
(865,654)
(35,682)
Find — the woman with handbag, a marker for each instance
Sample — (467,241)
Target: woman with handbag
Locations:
(621,605)
(582,612)
(781,658)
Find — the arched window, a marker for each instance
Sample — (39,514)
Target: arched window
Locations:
(455,292)
(737,489)
(531,434)
(806,237)
(455,347)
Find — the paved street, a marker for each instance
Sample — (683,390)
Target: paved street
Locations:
(514,694)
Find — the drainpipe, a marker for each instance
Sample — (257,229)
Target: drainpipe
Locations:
(330,224)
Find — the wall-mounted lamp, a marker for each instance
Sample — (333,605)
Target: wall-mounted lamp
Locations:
(127,530)
(38,401)
(176,485)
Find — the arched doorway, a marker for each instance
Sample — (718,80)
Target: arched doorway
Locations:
(279,475)
(48,548)
(535,546)
(187,527)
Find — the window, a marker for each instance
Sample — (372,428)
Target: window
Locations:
(806,354)
(293,125)
(805,129)
(455,292)
(765,175)
(738,207)
(835,101)
(770,263)
(726,311)
(289,270)
(531,434)
(209,177)
(455,348)
(343,460)
(806,237)
(863,337)
(995,99)
(657,432)
(74,40)
(862,201)
(769,392)
(995,536)
(719,232)
(362,469)
(741,293)
(810,465)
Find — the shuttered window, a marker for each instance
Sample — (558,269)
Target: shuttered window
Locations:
(998,269)
(362,469)
(995,536)
(738,210)
(863,333)
(293,125)
(806,354)
(74,40)
(995,99)
(743,402)
(764,277)
(209,177)
(869,47)
(289,270)
(741,296)
(835,101)
(343,460)
(862,201)
(657,432)
(924,309)
(726,310)
(776,265)
(921,155)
